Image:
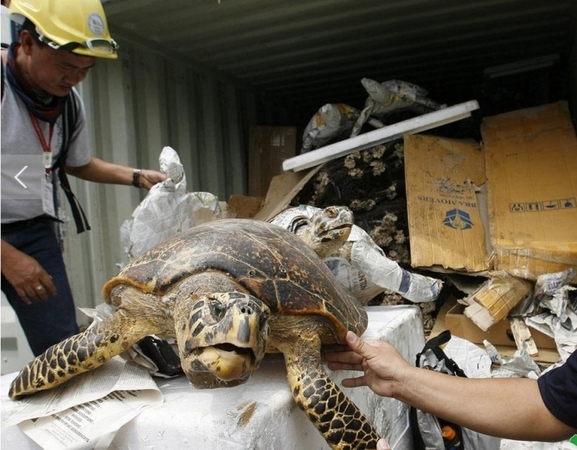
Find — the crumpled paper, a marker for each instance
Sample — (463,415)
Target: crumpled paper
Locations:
(558,306)
(167,209)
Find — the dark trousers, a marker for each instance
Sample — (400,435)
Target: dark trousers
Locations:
(44,323)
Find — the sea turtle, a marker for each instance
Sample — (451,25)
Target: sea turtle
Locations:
(228,291)
(325,231)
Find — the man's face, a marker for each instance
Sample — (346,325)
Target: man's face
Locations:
(56,71)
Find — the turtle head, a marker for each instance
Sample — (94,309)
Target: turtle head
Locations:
(327,230)
(222,338)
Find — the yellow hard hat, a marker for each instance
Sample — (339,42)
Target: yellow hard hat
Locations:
(78,26)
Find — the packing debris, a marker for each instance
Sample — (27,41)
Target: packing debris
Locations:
(167,209)
(362,267)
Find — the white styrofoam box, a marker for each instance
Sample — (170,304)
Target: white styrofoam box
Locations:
(15,351)
(260,414)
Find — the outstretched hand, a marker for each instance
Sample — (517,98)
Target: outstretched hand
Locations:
(383,366)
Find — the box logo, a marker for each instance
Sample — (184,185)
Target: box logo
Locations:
(458,219)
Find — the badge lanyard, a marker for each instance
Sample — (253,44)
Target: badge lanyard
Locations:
(46,150)
(47,187)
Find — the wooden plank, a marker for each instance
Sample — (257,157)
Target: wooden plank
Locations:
(381,135)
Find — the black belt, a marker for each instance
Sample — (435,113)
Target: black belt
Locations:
(24,224)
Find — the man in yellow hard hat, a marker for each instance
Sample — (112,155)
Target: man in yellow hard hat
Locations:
(44,134)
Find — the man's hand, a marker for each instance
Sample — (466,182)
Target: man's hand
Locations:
(29,279)
(149,178)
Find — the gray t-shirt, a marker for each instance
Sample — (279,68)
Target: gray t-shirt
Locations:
(22,150)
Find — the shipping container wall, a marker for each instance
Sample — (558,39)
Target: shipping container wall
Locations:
(136,106)
(572,61)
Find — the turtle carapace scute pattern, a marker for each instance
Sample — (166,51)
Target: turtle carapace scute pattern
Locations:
(228,291)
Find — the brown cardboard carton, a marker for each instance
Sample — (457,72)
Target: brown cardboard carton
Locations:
(283,188)
(528,160)
(499,334)
(244,207)
(445,225)
(268,148)
(531,166)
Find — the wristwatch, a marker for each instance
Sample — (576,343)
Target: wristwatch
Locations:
(136,178)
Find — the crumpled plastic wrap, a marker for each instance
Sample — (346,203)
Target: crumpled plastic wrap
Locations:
(393,96)
(558,305)
(331,122)
(166,210)
(368,272)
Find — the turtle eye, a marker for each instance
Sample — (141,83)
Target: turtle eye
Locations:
(217,310)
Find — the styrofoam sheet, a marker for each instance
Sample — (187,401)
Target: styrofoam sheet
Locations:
(261,414)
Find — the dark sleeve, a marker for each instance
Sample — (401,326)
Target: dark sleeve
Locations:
(559,391)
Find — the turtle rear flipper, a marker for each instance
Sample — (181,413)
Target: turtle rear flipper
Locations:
(337,418)
(77,354)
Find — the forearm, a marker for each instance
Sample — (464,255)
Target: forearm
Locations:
(101,171)
(509,408)
(8,253)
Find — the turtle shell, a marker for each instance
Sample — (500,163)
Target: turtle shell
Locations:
(270,262)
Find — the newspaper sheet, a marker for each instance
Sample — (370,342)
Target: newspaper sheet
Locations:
(85,412)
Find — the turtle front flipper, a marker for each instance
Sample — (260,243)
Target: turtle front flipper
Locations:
(338,419)
(77,354)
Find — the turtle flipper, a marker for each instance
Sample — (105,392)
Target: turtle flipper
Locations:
(77,354)
(338,419)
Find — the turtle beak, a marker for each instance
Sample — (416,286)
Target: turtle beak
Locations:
(224,339)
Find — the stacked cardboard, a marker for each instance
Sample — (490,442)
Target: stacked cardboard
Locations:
(506,209)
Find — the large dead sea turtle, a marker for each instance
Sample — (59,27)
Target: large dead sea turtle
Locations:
(228,291)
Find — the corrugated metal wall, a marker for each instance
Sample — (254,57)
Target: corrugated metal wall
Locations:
(137,105)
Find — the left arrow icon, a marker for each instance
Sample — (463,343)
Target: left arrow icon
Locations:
(20,173)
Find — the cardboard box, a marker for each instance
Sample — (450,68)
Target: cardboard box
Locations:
(244,207)
(499,334)
(528,159)
(268,148)
(445,224)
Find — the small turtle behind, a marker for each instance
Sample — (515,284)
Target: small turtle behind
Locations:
(228,291)
(326,231)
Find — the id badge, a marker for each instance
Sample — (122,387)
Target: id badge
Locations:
(48,196)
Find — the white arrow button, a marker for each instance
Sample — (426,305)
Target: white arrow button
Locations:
(20,173)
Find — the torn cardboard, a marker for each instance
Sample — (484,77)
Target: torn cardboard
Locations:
(445,225)
(530,158)
(283,188)
(243,206)
(500,334)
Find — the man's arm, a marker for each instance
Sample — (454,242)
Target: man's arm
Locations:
(503,407)
(100,171)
